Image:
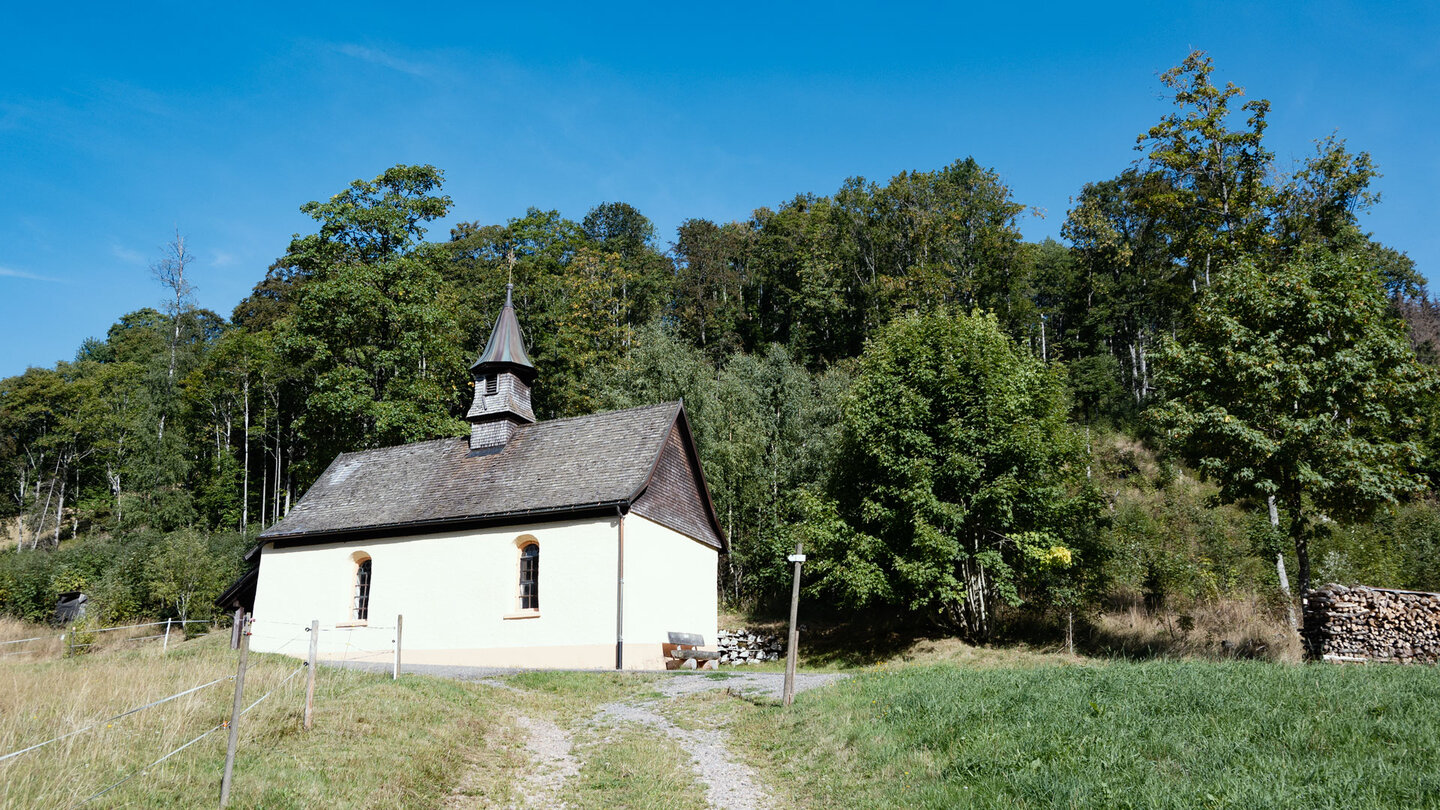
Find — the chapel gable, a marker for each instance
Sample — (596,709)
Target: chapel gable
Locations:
(676,498)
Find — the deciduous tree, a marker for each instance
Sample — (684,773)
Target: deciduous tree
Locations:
(956,460)
(1297,382)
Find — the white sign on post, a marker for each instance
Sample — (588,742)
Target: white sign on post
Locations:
(796,558)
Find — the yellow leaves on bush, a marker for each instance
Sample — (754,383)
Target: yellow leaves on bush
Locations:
(1058,557)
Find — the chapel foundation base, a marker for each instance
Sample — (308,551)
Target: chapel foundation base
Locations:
(638,657)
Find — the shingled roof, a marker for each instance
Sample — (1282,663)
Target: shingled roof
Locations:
(586,464)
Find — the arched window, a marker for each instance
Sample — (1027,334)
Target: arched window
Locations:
(530,576)
(360,607)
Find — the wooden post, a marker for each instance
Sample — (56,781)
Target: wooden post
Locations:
(235,710)
(793,650)
(399,623)
(237,628)
(165,645)
(310,676)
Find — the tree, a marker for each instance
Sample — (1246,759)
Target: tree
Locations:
(1131,287)
(186,568)
(170,272)
(1297,382)
(619,227)
(1217,194)
(956,468)
(374,329)
(709,293)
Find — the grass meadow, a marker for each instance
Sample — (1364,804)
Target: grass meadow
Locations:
(938,725)
(1162,734)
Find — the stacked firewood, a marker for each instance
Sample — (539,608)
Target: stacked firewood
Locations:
(1371,624)
(744,647)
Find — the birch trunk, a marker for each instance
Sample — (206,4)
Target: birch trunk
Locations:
(1280,568)
(245,477)
(59,512)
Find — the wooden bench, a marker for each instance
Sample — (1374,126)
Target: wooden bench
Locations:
(685,647)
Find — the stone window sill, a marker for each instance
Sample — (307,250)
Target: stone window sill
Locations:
(524,614)
(361,623)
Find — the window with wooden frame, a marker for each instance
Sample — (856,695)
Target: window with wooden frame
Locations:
(360,604)
(530,576)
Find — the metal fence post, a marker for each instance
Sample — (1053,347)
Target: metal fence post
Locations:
(310,676)
(399,623)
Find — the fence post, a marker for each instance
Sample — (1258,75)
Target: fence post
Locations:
(165,646)
(310,676)
(235,712)
(399,623)
(236,628)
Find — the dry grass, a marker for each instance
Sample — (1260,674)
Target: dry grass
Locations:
(12,630)
(82,639)
(376,742)
(1229,628)
(44,699)
(957,652)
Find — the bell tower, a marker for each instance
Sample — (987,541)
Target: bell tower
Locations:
(503,375)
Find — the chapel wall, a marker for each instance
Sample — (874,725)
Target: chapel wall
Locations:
(457,590)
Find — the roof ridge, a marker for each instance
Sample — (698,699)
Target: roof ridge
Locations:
(597,414)
(601,413)
(406,444)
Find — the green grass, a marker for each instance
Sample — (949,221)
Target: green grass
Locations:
(568,697)
(1150,735)
(635,769)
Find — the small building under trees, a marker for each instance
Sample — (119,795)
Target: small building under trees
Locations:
(577,542)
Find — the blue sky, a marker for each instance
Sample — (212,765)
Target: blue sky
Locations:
(117,127)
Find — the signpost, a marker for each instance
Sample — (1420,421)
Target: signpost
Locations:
(793,648)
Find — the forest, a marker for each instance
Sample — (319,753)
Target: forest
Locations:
(1217,387)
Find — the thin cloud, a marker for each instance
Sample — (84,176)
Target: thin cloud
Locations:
(125,254)
(11,273)
(383,59)
(222,259)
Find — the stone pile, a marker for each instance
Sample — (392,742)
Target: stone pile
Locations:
(1371,624)
(744,647)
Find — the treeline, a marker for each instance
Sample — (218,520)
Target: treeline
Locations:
(181,426)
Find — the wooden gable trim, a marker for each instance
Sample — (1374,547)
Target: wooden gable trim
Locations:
(681,425)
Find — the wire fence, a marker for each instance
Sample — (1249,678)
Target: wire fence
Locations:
(70,645)
(202,735)
(237,713)
(97,724)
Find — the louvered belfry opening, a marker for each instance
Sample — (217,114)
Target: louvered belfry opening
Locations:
(502,375)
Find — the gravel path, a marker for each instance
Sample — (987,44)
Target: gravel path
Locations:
(768,684)
(550,748)
(729,784)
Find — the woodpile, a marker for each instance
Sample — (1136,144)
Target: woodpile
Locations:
(1371,624)
(739,647)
